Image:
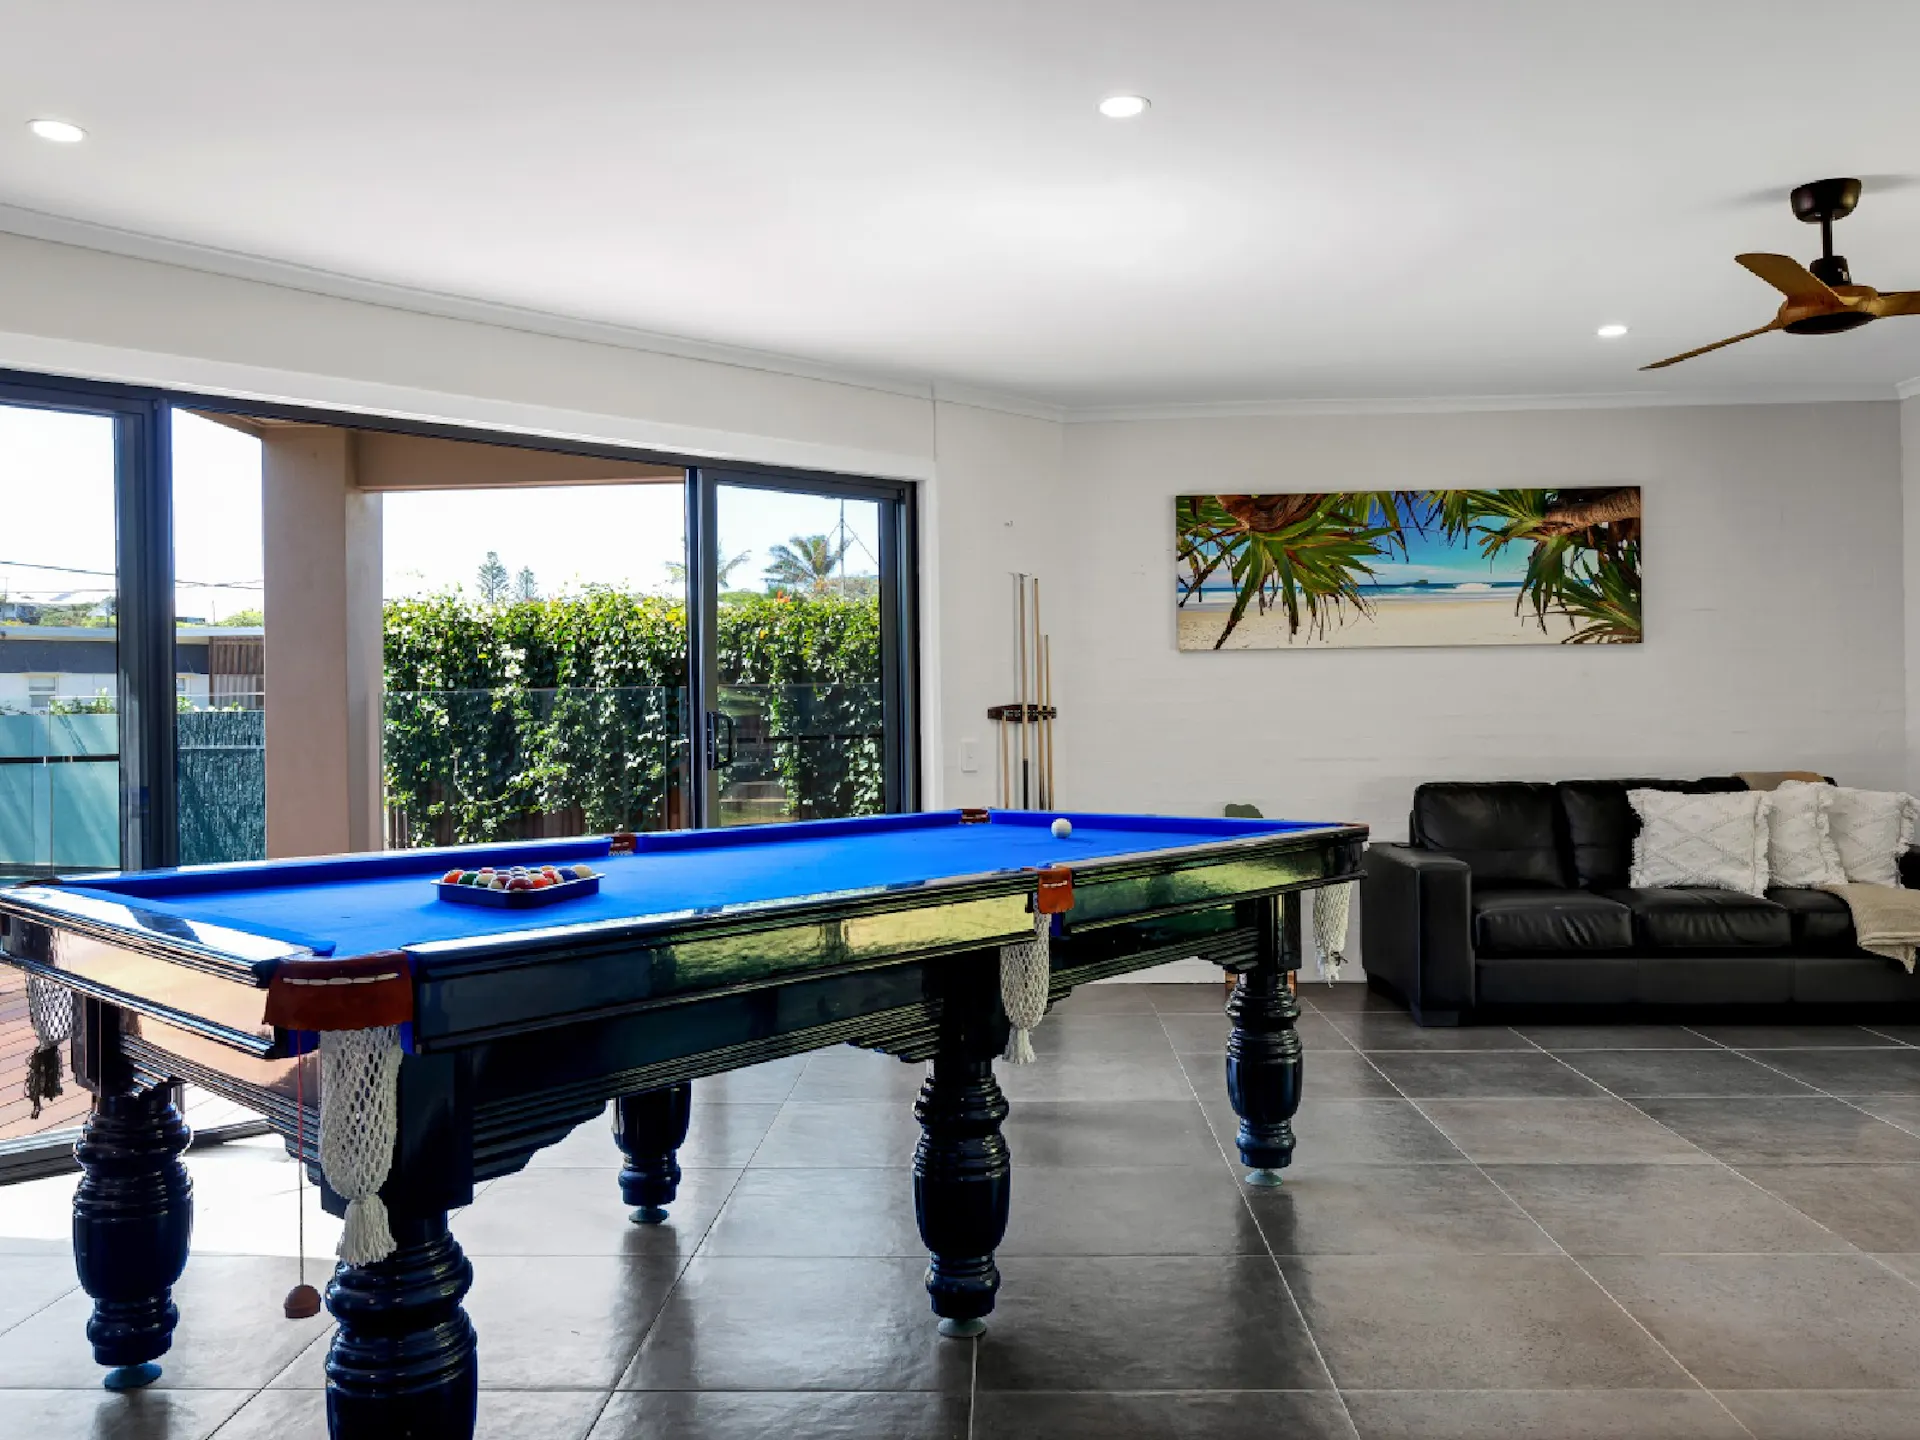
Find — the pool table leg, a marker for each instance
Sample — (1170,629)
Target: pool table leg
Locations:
(1263,1052)
(133,1209)
(961,1167)
(649,1127)
(402,1361)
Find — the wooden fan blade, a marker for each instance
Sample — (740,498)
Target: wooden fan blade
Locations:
(1717,345)
(1790,278)
(1897,302)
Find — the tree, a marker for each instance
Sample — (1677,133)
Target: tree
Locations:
(805,563)
(677,569)
(492,579)
(254,616)
(525,587)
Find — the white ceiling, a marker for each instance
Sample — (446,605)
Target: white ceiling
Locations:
(1403,198)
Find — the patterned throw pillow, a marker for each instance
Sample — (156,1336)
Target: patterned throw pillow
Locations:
(1871,829)
(1800,848)
(1718,841)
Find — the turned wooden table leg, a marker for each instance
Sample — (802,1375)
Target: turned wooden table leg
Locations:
(1263,1052)
(402,1362)
(650,1127)
(962,1171)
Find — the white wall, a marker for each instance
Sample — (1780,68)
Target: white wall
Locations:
(1773,613)
(1910,497)
(993,504)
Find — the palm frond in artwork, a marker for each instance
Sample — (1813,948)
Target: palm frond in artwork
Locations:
(1305,553)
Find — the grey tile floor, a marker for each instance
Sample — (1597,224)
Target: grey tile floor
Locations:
(1563,1232)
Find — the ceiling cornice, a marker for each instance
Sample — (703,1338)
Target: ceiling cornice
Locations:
(238,265)
(949,393)
(1466,404)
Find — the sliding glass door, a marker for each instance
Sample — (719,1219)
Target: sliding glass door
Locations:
(84,722)
(797,647)
(59,651)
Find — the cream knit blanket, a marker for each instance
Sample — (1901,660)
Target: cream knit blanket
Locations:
(1886,919)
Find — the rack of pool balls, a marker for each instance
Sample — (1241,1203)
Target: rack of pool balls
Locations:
(518,885)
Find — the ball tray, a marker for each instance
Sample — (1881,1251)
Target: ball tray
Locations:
(518,899)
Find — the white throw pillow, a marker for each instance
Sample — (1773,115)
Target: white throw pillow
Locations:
(1871,829)
(1800,848)
(1713,840)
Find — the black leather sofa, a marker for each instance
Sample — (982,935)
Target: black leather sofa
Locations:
(1513,895)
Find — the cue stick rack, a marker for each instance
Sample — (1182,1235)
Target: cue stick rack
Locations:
(1026,726)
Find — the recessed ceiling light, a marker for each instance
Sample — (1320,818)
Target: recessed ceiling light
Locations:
(1611,332)
(1123,107)
(58,131)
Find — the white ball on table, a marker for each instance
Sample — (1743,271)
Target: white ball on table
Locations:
(1062,828)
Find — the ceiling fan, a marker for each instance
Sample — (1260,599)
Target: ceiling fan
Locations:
(1821,298)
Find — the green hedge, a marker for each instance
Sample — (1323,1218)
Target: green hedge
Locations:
(503,720)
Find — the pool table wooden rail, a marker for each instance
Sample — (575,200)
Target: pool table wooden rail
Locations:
(211,981)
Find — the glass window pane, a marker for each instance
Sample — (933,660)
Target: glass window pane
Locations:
(799,658)
(59,662)
(535,661)
(219,600)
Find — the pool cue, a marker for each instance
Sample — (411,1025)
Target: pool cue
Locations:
(1006,775)
(1046,714)
(1020,631)
(1039,724)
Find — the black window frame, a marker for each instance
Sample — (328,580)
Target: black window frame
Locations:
(899,621)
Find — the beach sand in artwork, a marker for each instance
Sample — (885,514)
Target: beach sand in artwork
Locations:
(1490,621)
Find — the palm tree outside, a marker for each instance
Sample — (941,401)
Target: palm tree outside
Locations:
(805,563)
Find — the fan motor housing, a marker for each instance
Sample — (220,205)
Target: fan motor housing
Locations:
(1831,324)
(1825,200)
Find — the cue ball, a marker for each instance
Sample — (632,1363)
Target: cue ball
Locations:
(1062,828)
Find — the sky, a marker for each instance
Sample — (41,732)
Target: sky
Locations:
(1431,557)
(56,490)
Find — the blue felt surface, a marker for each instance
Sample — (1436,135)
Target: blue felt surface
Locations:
(357,904)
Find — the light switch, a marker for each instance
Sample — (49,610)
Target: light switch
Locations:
(969,756)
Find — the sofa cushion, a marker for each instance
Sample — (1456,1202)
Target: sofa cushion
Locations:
(1695,918)
(1546,922)
(1506,831)
(1822,924)
(1600,823)
(1689,840)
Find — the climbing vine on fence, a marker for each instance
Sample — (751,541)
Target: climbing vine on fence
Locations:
(499,714)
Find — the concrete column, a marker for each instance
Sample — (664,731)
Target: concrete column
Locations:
(322,654)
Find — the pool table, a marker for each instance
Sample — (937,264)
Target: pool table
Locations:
(702,951)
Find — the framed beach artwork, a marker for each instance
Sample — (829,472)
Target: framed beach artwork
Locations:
(1408,567)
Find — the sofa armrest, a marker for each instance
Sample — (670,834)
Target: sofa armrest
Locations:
(1417,919)
(1910,868)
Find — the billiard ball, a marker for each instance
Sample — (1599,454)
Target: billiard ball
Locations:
(1062,828)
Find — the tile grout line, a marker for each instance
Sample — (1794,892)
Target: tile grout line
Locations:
(38,1310)
(1272,1259)
(680,1273)
(1818,1092)
(1562,1250)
